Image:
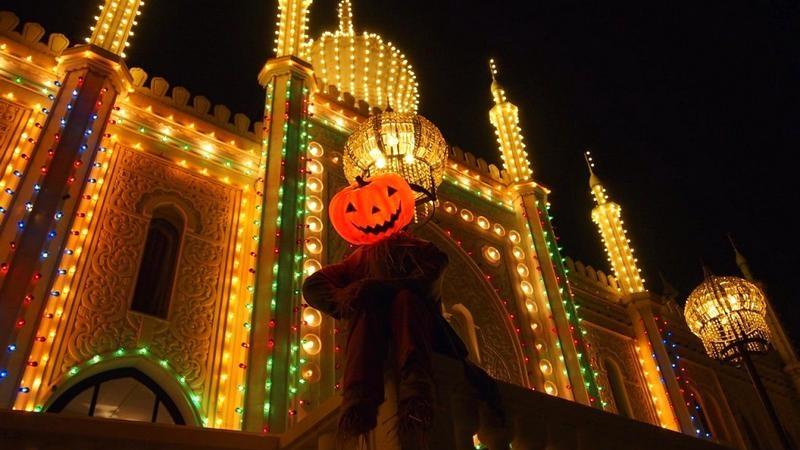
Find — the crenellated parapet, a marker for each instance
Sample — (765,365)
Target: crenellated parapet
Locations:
(479,165)
(198,106)
(32,34)
(591,275)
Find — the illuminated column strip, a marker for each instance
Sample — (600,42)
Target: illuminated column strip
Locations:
(248,236)
(568,336)
(309,366)
(301,267)
(114,25)
(291,27)
(504,115)
(58,294)
(654,379)
(685,382)
(228,409)
(271,383)
(20,159)
(63,155)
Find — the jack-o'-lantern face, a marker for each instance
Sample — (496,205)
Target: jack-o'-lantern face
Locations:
(370,210)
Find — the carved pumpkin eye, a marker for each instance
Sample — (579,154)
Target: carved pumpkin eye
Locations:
(391,191)
(350,208)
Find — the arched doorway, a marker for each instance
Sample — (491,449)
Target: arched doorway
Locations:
(125,394)
(499,349)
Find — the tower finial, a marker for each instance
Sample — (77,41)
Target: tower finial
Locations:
(345,17)
(593,179)
(733,244)
(587,156)
(498,94)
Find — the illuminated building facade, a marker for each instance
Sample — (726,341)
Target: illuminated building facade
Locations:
(149,237)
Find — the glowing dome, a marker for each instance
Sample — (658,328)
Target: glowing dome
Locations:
(364,65)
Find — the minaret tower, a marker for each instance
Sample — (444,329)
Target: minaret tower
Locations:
(780,340)
(94,78)
(504,115)
(272,369)
(575,377)
(608,217)
(653,357)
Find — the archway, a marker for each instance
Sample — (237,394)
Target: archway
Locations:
(167,385)
(464,284)
(124,393)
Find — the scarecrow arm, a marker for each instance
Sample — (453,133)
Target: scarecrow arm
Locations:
(329,289)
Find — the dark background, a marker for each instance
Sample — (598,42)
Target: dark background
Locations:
(690,107)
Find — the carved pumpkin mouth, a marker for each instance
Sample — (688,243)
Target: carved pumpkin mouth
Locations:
(384,227)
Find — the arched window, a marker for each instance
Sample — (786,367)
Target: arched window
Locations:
(617,385)
(157,269)
(125,394)
(705,409)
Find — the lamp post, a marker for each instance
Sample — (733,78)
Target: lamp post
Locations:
(728,315)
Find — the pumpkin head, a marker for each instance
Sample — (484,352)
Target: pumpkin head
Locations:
(370,210)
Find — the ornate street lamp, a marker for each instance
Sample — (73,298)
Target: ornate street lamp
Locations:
(403,143)
(728,315)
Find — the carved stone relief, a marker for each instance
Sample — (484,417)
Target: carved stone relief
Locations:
(102,321)
(11,117)
(606,344)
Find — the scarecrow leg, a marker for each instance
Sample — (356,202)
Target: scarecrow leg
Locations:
(362,382)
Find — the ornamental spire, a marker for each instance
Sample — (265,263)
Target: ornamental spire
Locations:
(741,261)
(608,217)
(593,179)
(113,25)
(504,116)
(345,17)
(292,26)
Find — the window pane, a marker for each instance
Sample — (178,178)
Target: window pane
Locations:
(79,406)
(125,398)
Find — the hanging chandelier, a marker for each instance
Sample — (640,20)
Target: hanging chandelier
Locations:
(728,315)
(397,142)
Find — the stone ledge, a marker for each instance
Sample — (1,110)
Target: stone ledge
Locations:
(43,431)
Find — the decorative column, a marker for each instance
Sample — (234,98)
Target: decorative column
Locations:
(273,374)
(567,344)
(664,389)
(44,208)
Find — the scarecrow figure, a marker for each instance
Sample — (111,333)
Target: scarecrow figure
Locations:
(389,292)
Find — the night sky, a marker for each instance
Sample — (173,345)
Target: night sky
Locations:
(689,107)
